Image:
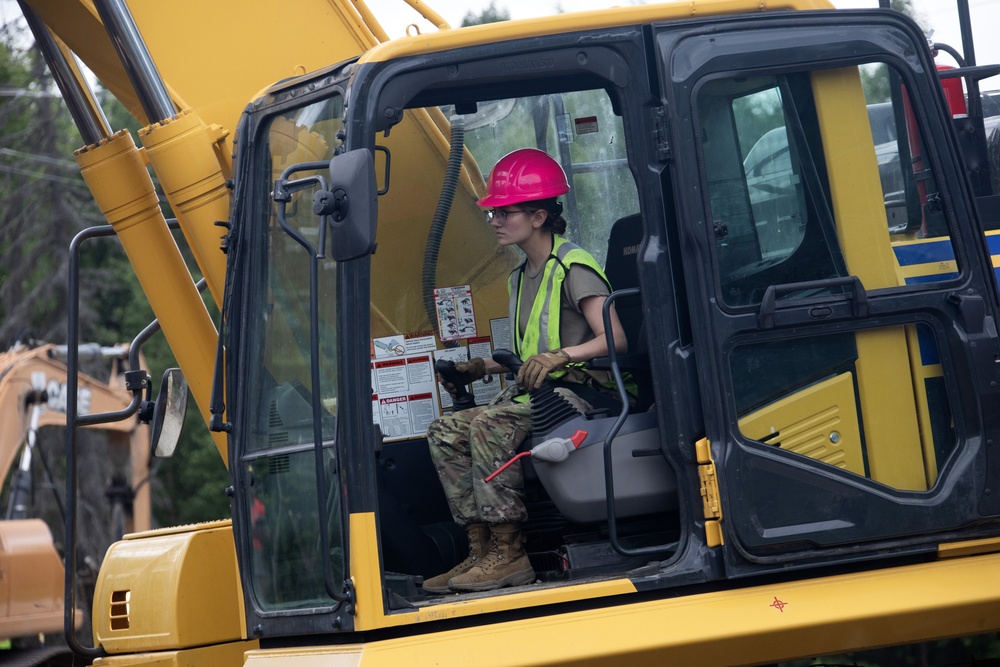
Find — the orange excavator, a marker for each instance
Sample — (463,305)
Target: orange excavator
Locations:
(33,385)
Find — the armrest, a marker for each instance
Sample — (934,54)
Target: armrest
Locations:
(631,361)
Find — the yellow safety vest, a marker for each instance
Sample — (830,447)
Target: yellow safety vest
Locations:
(542,331)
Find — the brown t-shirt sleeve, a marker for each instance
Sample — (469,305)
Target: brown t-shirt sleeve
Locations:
(581,282)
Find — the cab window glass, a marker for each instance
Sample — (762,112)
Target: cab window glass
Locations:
(286,552)
(820,187)
(873,403)
(579,129)
(815,176)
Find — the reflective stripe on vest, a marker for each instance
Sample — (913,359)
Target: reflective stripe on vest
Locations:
(541,333)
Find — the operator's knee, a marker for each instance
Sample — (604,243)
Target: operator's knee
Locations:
(498,433)
(448,436)
(436,431)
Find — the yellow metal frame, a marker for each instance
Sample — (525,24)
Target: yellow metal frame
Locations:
(883,366)
(115,172)
(366,573)
(776,622)
(175,588)
(204,656)
(807,421)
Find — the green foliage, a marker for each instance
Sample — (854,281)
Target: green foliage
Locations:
(909,8)
(875,82)
(43,204)
(43,200)
(489,15)
(191,485)
(756,115)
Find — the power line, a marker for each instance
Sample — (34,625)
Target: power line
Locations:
(44,159)
(25,92)
(42,176)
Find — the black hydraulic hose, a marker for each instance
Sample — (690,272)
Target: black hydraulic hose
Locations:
(951,51)
(436,232)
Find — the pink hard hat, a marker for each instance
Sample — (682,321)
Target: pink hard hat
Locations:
(526,174)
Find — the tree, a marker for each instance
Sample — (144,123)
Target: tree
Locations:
(875,78)
(909,8)
(44,203)
(489,15)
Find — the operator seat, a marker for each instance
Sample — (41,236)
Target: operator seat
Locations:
(622,271)
(644,483)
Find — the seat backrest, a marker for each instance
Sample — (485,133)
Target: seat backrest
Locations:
(621,270)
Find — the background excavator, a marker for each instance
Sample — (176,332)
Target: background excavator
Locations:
(33,382)
(800,227)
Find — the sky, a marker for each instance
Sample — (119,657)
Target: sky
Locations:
(940,15)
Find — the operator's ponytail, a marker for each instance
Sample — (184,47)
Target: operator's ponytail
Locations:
(554,221)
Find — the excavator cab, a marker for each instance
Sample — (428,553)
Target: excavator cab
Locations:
(812,316)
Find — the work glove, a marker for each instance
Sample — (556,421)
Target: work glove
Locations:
(469,371)
(538,366)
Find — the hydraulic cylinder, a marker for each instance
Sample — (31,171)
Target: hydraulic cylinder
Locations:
(182,152)
(115,171)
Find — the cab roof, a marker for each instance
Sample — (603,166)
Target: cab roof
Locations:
(578,21)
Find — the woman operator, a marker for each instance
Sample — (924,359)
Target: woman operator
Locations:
(556,299)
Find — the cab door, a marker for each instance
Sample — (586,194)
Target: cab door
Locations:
(841,291)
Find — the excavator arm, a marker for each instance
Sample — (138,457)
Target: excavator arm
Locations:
(35,379)
(187,72)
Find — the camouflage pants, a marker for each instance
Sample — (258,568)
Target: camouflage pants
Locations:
(470,445)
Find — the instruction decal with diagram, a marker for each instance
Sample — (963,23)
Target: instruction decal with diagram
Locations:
(455,315)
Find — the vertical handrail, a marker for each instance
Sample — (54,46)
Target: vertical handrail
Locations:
(609,477)
(282,195)
(74,420)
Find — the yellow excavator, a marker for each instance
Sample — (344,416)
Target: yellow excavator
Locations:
(33,385)
(796,207)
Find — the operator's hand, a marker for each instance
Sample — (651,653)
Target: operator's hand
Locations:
(469,371)
(537,367)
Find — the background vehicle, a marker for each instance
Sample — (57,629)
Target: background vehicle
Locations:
(33,383)
(811,465)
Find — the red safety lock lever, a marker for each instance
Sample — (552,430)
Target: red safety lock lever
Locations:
(553,450)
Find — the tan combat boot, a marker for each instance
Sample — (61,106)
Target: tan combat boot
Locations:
(506,564)
(479,543)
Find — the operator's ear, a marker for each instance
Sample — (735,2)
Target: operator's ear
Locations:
(539,217)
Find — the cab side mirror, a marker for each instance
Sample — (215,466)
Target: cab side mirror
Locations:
(350,204)
(168,415)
